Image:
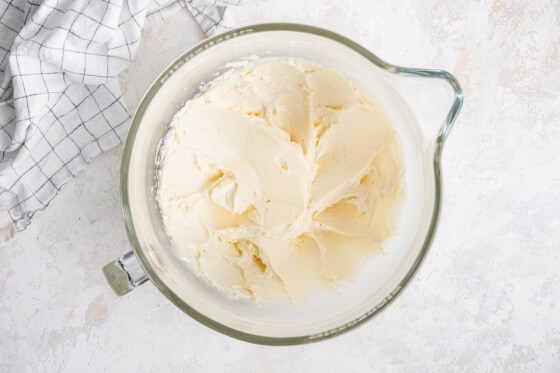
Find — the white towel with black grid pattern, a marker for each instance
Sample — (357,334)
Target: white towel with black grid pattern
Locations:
(60,101)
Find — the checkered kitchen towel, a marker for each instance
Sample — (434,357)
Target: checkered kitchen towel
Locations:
(60,102)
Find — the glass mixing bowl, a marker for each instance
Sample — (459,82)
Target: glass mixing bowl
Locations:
(423,104)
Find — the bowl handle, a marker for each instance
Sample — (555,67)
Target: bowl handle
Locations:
(435,101)
(125,274)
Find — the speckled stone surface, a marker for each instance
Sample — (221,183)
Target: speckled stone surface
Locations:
(488,295)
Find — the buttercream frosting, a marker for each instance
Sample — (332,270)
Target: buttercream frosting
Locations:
(280,177)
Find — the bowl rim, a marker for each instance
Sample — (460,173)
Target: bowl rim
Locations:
(302,28)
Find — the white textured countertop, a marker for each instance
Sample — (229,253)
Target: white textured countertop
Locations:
(488,294)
